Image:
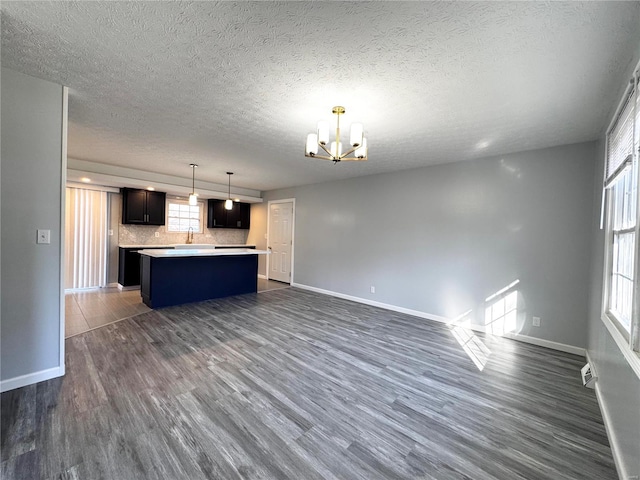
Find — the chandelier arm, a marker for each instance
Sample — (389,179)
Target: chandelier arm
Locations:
(325,149)
(322,157)
(350,151)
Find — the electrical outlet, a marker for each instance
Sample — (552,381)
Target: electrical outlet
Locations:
(373,289)
(157,234)
(44,236)
(536,321)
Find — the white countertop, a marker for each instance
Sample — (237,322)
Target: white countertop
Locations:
(201,252)
(146,246)
(187,245)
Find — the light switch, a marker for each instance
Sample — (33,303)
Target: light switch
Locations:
(44,236)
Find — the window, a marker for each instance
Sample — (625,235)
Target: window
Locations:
(181,216)
(621,184)
(623,239)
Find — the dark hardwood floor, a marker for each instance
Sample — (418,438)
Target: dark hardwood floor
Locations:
(292,384)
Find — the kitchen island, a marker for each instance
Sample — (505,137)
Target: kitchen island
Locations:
(129,260)
(177,276)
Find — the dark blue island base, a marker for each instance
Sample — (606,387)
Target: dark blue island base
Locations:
(167,281)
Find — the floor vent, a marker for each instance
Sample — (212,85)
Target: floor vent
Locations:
(588,379)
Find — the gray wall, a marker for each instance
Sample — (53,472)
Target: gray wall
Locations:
(441,239)
(31,195)
(618,385)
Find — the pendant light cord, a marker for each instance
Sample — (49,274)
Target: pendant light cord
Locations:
(229,192)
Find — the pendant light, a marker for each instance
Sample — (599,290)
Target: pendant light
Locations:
(228,204)
(193,197)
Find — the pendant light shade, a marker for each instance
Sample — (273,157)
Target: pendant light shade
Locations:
(228,204)
(193,197)
(361,152)
(357,132)
(336,149)
(323,132)
(312,145)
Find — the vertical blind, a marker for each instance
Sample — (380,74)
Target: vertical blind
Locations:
(86,238)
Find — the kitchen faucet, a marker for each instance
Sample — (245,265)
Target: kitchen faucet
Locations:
(190,235)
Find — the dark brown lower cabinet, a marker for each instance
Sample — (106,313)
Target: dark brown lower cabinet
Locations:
(129,265)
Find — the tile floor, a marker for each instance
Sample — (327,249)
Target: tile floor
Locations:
(85,311)
(264,285)
(91,309)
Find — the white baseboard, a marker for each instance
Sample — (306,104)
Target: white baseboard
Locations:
(562,347)
(94,289)
(132,287)
(541,342)
(264,277)
(613,441)
(31,378)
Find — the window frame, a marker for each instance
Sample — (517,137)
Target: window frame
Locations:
(626,339)
(183,201)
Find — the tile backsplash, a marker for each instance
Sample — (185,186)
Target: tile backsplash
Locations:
(146,235)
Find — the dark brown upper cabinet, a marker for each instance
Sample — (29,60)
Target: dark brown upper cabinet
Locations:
(238,217)
(142,207)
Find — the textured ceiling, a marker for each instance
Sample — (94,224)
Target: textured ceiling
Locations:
(238,85)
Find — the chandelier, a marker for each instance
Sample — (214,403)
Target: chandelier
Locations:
(357,143)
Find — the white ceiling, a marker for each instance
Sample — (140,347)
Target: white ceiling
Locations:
(237,85)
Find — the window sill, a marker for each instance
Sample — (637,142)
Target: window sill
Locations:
(633,359)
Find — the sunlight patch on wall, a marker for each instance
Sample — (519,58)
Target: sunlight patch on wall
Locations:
(501,314)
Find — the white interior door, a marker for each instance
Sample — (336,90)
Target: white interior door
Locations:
(280,240)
